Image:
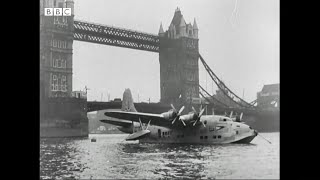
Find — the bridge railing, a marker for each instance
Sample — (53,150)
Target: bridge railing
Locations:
(103,34)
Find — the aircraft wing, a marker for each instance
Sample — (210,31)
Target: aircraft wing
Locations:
(156,119)
(123,123)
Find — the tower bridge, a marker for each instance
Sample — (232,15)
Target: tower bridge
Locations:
(178,49)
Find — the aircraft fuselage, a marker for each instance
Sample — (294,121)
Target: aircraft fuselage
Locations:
(217,130)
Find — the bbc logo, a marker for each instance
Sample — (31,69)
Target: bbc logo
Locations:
(57,11)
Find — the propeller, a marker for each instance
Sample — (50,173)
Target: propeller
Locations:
(142,126)
(182,122)
(239,118)
(231,114)
(174,109)
(148,125)
(178,114)
(199,116)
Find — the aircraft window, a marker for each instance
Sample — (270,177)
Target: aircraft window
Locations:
(205,122)
(182,135)
(214,137)
(206,137)
(237,132)
(219,136)
(250,127)
(201,137)
(162,133)
(238,125)
(178,136)
(219,127)
(224,120)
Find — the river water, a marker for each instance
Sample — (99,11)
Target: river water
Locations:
(111,157)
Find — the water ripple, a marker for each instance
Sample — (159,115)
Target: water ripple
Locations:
(112,158)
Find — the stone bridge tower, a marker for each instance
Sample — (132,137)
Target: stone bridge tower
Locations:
(178,57)
(56,39)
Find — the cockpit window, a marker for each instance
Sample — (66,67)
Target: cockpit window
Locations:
(219,127)
(224,119)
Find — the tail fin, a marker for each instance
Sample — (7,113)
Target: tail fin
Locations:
(127,102)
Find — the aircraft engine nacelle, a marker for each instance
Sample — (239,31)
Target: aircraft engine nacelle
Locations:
(169,115)
(126,129)
(189,117)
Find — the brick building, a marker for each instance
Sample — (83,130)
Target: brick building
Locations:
(269,96)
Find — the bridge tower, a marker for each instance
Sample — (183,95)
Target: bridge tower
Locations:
(178,57)
(56,39)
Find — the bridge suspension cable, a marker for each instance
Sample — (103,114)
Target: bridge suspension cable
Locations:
(254,102)
(211,96)
(226,91)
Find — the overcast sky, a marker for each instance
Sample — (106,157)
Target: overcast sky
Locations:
(239,41)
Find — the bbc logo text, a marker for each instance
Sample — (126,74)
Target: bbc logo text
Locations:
(57,11)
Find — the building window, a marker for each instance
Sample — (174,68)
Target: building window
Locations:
(64,83)
(56,20)
(206,137)
(219,137)
(57,63)
(64,63)
(65,19)
(201,137)
(51,82)
(214,137)
(54,43)
(54,82)
(59,82)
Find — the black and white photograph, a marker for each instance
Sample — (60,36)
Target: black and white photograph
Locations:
(159,89)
